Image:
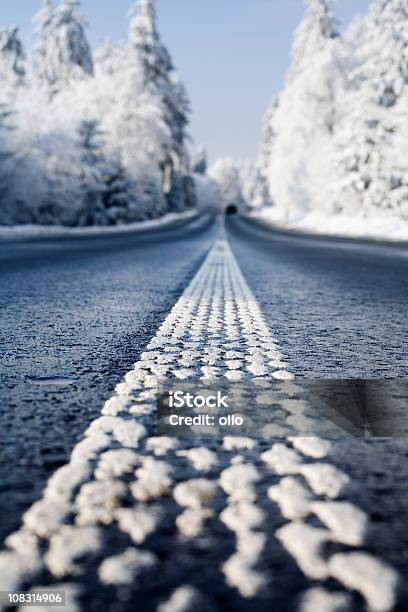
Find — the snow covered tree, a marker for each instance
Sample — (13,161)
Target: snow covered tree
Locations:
(226,173)
(62,55)
(254,187)
(384,51)
(143,36)
(5,155)
(307,113)
(92,173)
(371,177)
(121,200)
(268,136)
(12,63)
(159,78)
(199,161)
(208,193)
(43,185)
(43,27)
(317,27)
(102,142)
(132,117)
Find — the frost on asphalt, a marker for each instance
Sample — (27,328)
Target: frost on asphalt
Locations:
(129,507)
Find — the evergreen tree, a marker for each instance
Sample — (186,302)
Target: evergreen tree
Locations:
(160,79)
(107,193)
(43,21)
(307,113)
(226,173)
(144,38)
(12,63)
(268,136)
(103,144)
(62,55)
(199,161)
(6,214)
(90,142)
(132,116)
(120,198)
(254,187)
(372,170)
(317,27)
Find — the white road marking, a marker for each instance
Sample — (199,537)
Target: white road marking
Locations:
(120,476)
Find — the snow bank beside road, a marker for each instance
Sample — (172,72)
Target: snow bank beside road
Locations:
(381,227)
(30,232)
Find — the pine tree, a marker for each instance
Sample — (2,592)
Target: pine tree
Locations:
(268,136)
(12,63)
(254,188)
(199,161)
(317,27)
(91,143)
(384,51)
(132,116)
(371,176)
(120,198)
(62,55)
(103,146)
(226,173)
(307,113)
(6,214)
(160,79)
(43,22)
(144,38)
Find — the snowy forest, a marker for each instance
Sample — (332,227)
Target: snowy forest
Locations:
(101,137)
(92,138)
(335,140)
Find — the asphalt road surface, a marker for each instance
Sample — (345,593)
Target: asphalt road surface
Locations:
(338,308)
(76,315)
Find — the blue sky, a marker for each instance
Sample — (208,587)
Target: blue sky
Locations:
(232,55)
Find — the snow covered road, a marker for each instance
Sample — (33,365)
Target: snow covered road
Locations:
(227,524)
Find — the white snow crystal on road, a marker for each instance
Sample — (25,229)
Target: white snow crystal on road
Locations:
(293,498)
(371,577)
(325,479)
(153,480)
(191,521)
(138,522)
(305,544)
(320,600)
(347,522)
(240,575)
(68,546)
(282,460)
(17,568)
(242,516)
(312,446)
(129,434)
(202,458)
(96,502)
(116,463)
(45,516)
(238,481)
(126,568)
(195,493)
(182,599)
(161,445)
